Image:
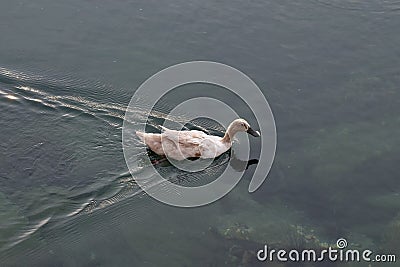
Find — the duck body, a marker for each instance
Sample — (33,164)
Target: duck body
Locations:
(180,145)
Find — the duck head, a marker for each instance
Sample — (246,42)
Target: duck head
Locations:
(239,125)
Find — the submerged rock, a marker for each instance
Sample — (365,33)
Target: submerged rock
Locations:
(345,177)
(250,225)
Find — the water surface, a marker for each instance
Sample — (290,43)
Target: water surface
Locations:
(329,69)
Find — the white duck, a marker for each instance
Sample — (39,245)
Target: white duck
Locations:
(181,145)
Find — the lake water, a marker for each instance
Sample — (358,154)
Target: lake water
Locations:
(68,69)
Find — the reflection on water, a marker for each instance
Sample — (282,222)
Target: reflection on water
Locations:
(329,70)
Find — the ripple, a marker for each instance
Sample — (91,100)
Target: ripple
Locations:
(46,207)
(25,234)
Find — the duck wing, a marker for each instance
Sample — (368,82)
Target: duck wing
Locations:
(195,143)
(192,138)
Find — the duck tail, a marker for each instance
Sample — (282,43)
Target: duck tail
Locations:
(141,135)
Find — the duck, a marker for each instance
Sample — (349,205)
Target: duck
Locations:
(180,145)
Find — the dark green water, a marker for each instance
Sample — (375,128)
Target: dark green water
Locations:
(329,69)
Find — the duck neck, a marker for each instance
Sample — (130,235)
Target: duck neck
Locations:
(230,132)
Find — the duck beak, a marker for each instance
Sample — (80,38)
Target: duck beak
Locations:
(253,133)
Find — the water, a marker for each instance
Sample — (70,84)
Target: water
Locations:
(329,69)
